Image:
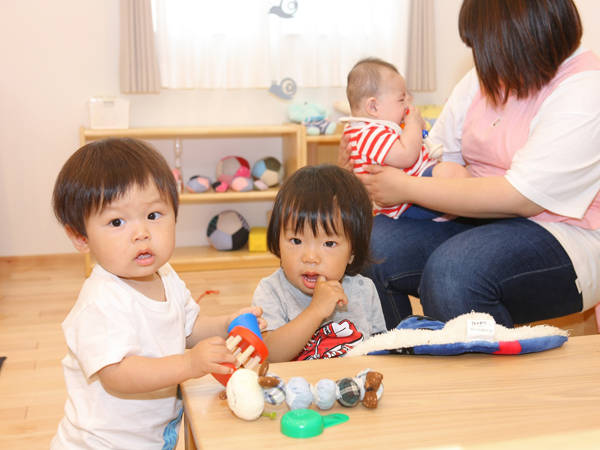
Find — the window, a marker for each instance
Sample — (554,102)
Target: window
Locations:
(252,44)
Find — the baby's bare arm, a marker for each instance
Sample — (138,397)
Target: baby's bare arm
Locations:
(405,151)
(139,374)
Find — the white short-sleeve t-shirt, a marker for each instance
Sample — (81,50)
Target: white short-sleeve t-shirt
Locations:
(558,168)
(111,321)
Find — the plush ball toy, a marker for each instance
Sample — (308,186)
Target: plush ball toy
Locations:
(313,116)
(241,184)
(268,170)
(348,392)
(244,395)
(260,185)
(325,394)
(220,186)
(232,166)
(198,183)
(228,230)
(275,395)
(299,393)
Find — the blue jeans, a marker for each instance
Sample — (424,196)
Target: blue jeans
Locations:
(512,269)
(420,212)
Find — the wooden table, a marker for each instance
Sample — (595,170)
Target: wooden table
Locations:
(473,401)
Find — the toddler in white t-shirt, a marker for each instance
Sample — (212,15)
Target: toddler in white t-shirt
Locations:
(134,318)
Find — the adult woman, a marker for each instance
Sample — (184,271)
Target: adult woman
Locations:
(526,122)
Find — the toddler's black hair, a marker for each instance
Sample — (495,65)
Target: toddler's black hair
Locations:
(102,171)
(323,196)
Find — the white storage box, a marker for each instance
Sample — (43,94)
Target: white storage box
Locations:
(107,113)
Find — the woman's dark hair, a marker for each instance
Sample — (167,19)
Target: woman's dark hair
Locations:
(319,196)
(518,45)
(102,171)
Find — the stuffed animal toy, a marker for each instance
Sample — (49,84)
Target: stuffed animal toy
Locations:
(313,116)
(473,332)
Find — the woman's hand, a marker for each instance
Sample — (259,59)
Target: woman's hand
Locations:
(386,184)
(344,152)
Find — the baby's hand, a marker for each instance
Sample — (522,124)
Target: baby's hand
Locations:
(207,356)
(256,310)
(327,295)
(413,115)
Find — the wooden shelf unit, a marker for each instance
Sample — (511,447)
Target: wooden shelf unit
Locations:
(294,156)
(324,147)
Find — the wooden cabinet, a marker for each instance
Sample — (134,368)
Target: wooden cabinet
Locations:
(323,148)
(294,156)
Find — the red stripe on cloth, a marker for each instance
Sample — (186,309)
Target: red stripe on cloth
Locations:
(509,348)
(385,144)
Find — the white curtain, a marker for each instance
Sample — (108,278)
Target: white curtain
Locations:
(421,74)
(244,44)
(138,68)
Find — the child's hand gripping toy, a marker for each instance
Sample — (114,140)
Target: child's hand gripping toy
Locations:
(435,150)
(246,343)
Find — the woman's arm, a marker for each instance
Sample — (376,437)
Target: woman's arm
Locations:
(492,197)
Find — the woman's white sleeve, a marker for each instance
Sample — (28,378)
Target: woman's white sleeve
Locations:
(559,166)
(448,128)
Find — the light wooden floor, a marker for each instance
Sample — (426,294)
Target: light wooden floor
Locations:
(36,294)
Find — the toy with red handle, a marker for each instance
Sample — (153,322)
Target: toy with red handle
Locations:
(246,343)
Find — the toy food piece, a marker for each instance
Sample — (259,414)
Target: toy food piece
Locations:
(307,423)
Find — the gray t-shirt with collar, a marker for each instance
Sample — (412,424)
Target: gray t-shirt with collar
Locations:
(282,302)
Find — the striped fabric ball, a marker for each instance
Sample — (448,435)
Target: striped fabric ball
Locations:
(275,395)
(348,392)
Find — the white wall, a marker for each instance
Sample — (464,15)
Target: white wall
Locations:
(54,55)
